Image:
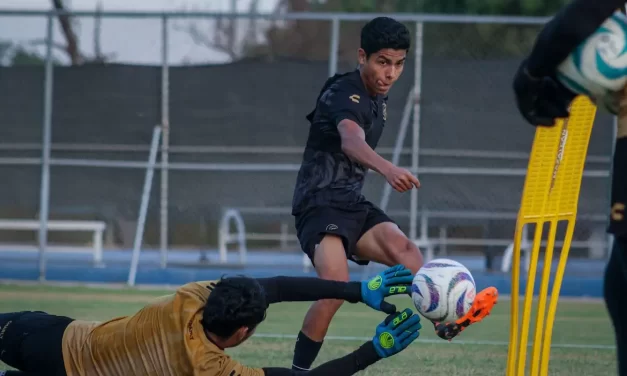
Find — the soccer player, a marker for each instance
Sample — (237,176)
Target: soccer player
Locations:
(541,99)
(185,333)
(334,221)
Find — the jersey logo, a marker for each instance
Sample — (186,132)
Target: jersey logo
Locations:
(190,330)
(332,227)
(618,212)
(355,98)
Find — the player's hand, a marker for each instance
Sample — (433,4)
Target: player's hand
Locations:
(397,332)
(610,102)
(540,100)
(395,280)
(401,180)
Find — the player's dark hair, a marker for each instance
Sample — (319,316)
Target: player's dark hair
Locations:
(384,32)
(235,302)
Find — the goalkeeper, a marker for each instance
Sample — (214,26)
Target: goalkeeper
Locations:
(541,100)
(186,333)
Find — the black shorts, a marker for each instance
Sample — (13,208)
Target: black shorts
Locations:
(32,342)
(349,223)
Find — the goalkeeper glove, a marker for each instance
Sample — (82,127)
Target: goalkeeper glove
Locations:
(396,332)
(392,281)
(540,100)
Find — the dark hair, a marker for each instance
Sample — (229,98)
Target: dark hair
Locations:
(235,302)
(384,32)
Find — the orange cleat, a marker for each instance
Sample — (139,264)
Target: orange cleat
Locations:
(481,307)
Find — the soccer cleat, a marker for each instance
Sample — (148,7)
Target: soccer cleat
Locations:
(481,307)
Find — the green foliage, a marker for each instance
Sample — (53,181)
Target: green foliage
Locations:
(475,7)
(12,54)
(310,39)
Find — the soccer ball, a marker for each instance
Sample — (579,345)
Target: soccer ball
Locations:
(443,290)
(597,68)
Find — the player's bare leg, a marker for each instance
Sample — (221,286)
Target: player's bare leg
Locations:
(385,243)
(330,263)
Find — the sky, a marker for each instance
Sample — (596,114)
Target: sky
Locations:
(132,41)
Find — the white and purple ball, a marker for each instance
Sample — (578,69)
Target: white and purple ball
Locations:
(443,290)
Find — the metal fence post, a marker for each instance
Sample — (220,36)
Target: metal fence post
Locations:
(415,145)
(610,237)
(165,142)
(44,196)
(334,46)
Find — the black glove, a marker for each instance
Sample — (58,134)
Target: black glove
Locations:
(541,100)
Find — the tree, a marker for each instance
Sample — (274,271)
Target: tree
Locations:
(302,39)
(12,54)
(221,33)
(71,48)
(310,39)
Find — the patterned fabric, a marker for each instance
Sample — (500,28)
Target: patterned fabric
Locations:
(327,176)
(163,338)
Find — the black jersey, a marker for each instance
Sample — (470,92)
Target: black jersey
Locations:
(327,176)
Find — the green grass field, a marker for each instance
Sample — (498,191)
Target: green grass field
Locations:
(582,339)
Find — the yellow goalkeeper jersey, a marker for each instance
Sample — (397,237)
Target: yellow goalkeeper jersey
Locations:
(164,338)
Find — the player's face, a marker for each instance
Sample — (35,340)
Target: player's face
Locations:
(381,69)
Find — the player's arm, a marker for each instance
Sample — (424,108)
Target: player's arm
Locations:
(392,281)
(349,112)
(355,146)
(565,31)
(350,364)
(397,332)
(358,360)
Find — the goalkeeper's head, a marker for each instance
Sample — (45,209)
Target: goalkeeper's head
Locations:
(234,309)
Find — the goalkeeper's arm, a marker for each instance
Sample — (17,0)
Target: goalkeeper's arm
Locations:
(350,364)
(565,31)
(304,289)
(392,281)
(392,336)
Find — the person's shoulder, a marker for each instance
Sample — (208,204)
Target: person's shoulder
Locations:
(217,362)
(198,289)
(349,82)
(209,359)
(345,91)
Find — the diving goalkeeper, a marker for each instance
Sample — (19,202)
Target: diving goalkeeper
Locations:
(185,333)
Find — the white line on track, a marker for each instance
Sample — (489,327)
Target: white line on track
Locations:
(443,342)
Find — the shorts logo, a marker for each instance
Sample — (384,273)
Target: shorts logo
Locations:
(4,329)
(332,227)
